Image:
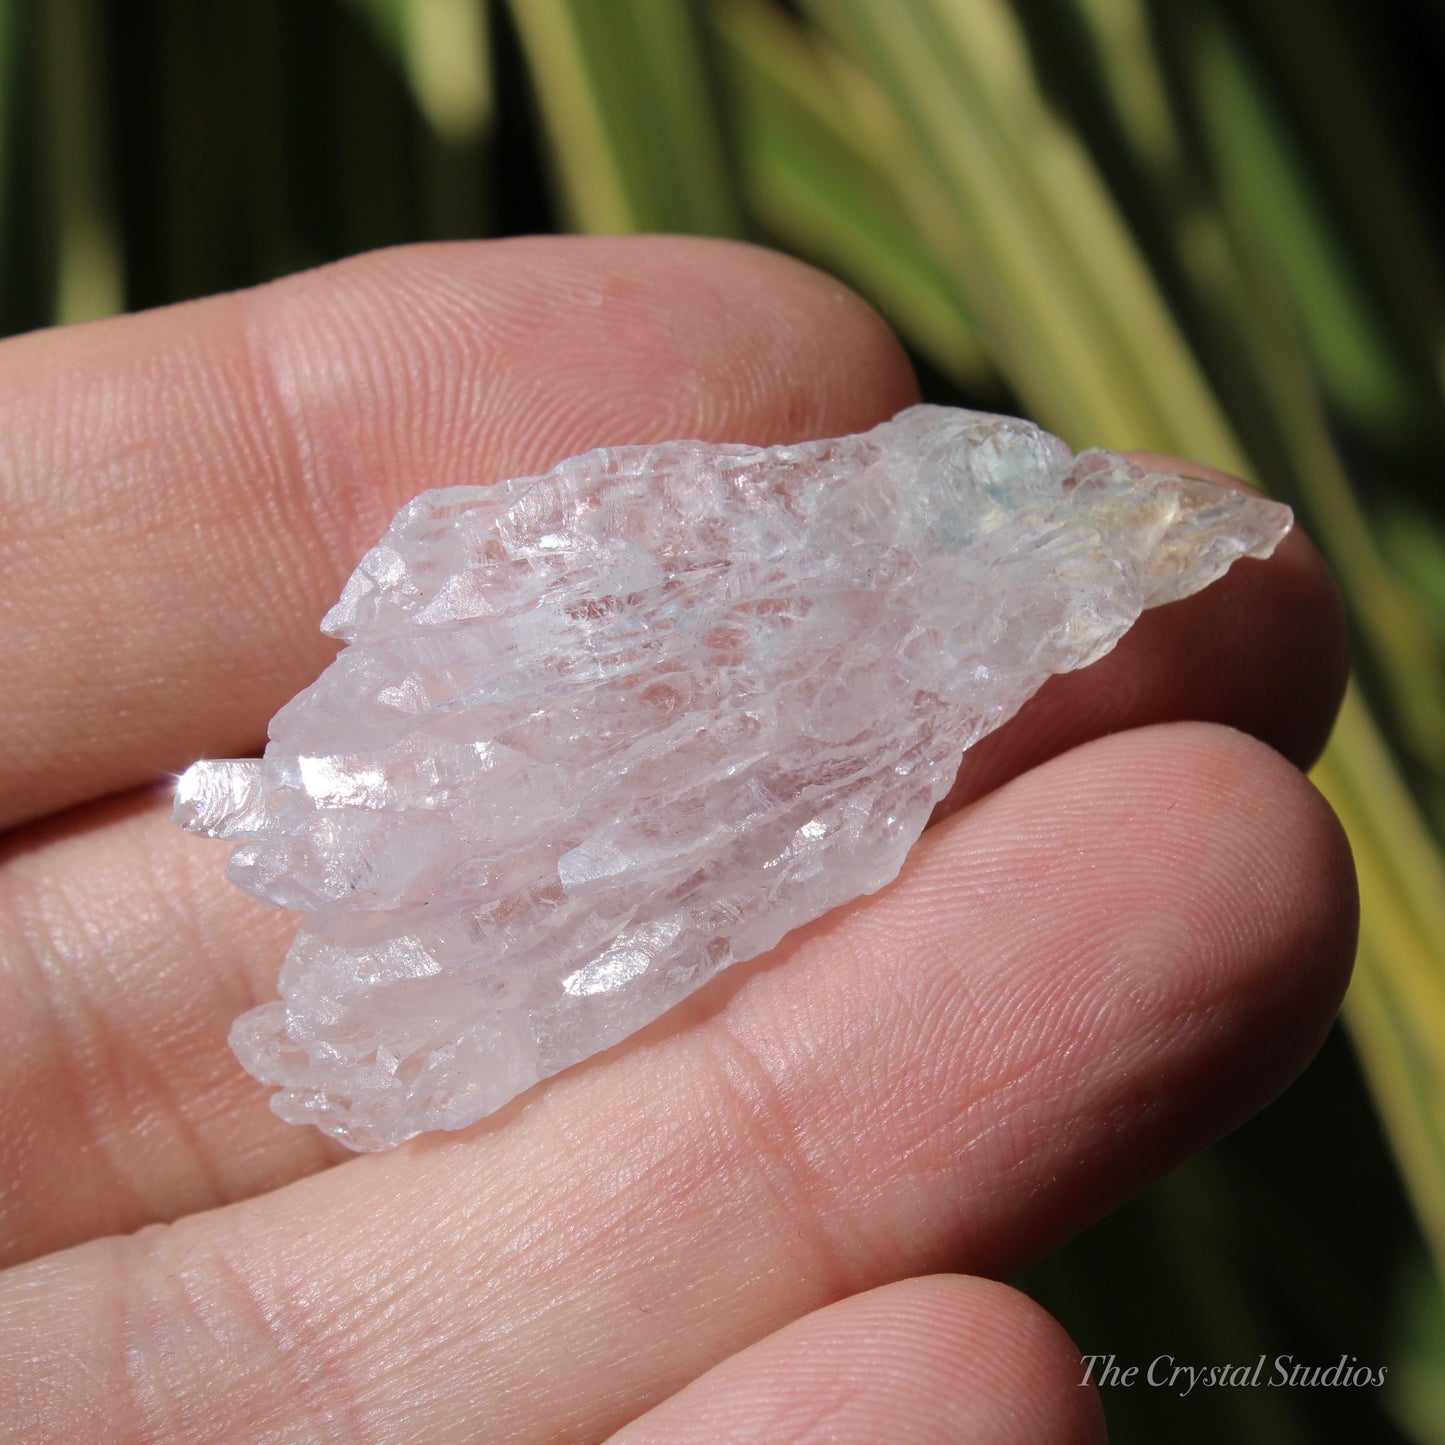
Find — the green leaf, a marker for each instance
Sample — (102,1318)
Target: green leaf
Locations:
(626,96)
(1260,166)
(1059,286)
(443,48)
(809,182)
(1416,1389)
(89,273)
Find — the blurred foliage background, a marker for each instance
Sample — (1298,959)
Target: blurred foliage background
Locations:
(1211,227)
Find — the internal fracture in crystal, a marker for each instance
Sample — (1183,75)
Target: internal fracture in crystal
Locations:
(596,735)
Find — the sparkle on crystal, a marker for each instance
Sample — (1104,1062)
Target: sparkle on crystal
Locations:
(597,734)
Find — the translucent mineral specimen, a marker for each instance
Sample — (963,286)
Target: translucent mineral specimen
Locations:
(597,734)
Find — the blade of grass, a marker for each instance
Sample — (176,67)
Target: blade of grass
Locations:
(1409,639)
(1134,82)
(1406,1094)
(1396,1005)
(1333,81)
(89,275)
(1035,373)
(447,53)
(1239,276)
(1415,1394)
(9,28)
(1006,259)
(443,47)
(591,176)
(443,51)
(1046,232)
(1415,545)
(625,95)
(1260,166)
(1117,293)
(809,183)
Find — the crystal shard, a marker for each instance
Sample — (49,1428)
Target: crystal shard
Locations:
(597,734)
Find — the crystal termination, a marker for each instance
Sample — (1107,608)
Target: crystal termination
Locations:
(597,734)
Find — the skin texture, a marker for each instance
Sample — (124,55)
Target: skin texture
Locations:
(957,1358)
(1129,928)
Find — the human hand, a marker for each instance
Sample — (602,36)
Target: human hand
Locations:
(1130,930)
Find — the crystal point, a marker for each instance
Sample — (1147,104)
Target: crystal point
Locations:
(597,734)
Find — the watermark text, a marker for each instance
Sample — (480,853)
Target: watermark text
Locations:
(1165,1372)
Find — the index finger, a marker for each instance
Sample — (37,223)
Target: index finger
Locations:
(184,491)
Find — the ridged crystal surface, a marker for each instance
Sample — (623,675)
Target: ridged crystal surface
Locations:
(597,734)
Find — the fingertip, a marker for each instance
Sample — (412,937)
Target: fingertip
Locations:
(935,1359)
(1087,976)
(1234,907)
(1023,1372)
(1235,926)
(1296,900)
